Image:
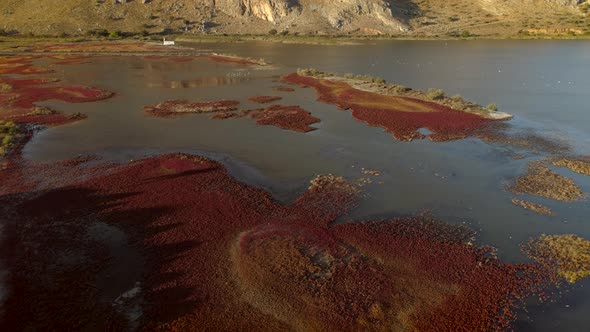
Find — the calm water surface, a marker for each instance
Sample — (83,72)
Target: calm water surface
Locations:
(545,84)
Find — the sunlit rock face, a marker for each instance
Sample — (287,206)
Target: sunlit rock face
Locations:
(268,10)
(339,14)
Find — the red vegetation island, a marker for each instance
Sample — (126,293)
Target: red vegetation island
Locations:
(220,254)
(286,117)
(401,116)
(264,99)
(170,58)
(235,59)
(283,89)
(20,65)
(173,108)
(18,96)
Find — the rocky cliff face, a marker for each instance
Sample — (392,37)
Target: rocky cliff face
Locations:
(268,10)
(339,14)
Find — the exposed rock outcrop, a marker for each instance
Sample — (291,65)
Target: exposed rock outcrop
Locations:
(339,14)
(268,10)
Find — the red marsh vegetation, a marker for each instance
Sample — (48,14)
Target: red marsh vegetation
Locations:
(286,117)
(95,47)
(171,108)
(222,255)
(170,58)
(401,116)
(283,89)
(18,96)
(20,65)
(264,99)
(292,118)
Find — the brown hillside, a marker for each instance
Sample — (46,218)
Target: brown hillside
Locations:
(359,17)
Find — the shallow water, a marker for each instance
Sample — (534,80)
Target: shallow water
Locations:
(543,83)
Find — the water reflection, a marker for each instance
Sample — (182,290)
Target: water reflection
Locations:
(202,82)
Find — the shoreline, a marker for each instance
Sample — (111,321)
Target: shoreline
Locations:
(289,39)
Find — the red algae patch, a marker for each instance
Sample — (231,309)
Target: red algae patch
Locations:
(401,116)
(20,65)
(264,99)
(93,47)
(286,117)
(170,58)
(283,89)
(225,115)
(221,255)
(172,108)
(71,94)
(568,255)
(19,96)
(69,59)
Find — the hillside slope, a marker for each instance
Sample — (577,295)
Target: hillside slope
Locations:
(362,17)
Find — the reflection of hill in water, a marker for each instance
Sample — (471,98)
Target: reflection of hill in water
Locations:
(199,82)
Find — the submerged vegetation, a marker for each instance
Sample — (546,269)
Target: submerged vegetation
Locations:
(568,254)
(538,208)
(540,180)
(578,165)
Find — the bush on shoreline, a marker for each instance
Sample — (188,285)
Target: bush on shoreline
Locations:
(435,94)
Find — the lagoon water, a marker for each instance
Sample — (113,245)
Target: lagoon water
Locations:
(545,84)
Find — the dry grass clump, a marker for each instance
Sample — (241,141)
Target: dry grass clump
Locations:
(568,254)
(538,208)
(5,87)
(42,110)
(332,182)
(581,166)
(541,181)
(9,134)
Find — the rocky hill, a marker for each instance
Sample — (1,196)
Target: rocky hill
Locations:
(359,17)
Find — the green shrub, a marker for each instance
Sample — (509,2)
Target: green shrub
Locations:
(115,34)
(435,94)
(378,80)
(492,107)
(41,110)
(8,141)
(465,34)
(98,33)
(308,72)
(7,127)
(399,89)
(272,32)
(458,99)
